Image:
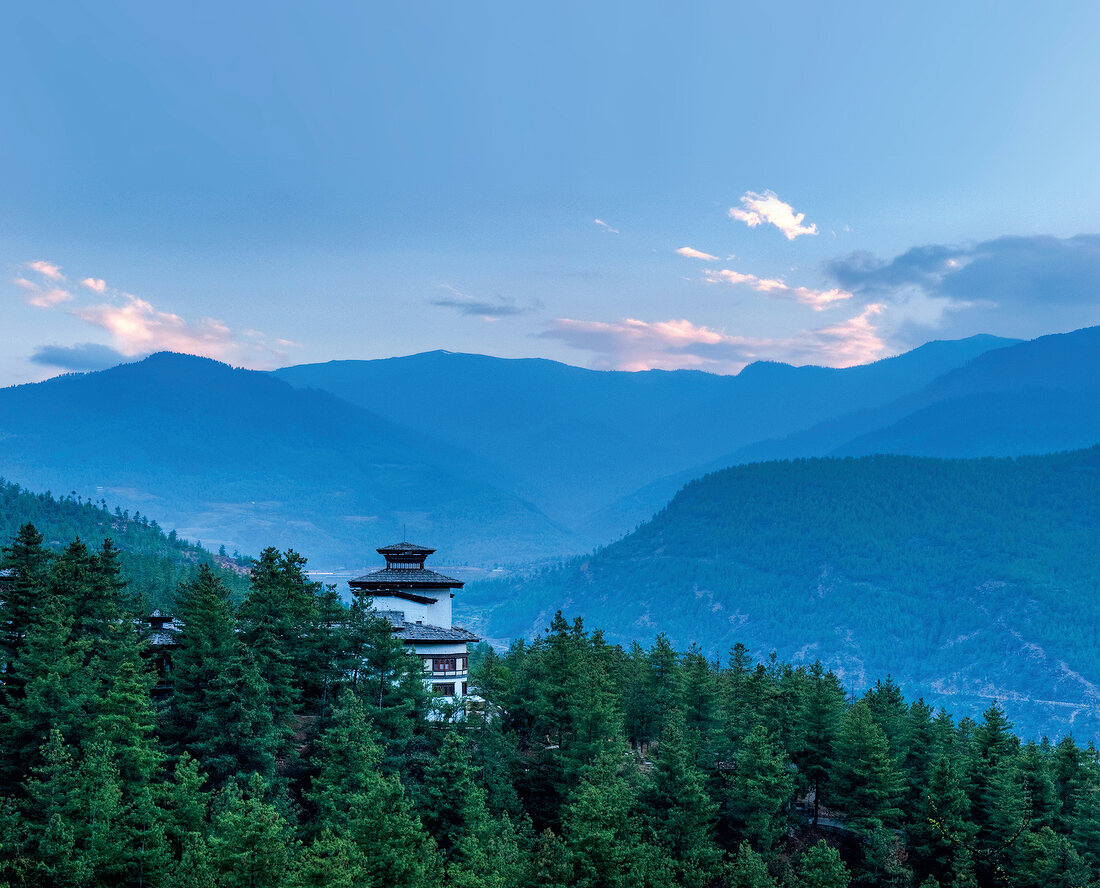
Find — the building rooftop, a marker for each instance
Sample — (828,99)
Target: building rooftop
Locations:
(407,631)
(404,576)
(404,547)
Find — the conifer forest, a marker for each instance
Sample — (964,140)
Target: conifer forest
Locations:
(291,741)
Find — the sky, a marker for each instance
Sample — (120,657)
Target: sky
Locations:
(612,185)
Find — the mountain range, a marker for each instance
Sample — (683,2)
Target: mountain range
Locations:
(506,461)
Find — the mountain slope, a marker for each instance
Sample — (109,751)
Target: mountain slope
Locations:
(1033,397)
(241,458)
(578,440)
(966,579)
(155,562)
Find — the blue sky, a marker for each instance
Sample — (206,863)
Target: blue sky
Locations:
(275,183)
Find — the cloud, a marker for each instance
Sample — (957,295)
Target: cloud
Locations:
(819,300)
(42,296)
(758,209)
(47,270)
(605,226)
(487,309)
(692,253)
(138,328)
(1012,286)
(83,356)
(632,344)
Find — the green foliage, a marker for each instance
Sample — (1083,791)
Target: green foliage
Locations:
(583,765)
(920,568)
(154,564)
(821,867)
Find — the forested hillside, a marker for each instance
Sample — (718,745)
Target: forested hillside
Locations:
(292,744)
(156,562)
(965,579)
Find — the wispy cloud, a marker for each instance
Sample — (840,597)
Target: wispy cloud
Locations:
(819,300)
(692,253)
(42,296)
(47,270)
(487,309)
(759,209)
(82,356)
(136,327)
(605,226)
(633,344)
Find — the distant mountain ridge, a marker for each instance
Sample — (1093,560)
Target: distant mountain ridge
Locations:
(239,457)
(577,441)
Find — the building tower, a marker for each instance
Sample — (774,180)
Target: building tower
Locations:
(417,602)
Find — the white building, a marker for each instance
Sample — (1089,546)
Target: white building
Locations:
(417,602)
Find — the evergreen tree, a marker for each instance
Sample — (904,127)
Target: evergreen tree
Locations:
(387,678)
(942,824)
(822,715)
(749,870)
(251,844)
(867,785)
(821,867)
(758,793)
(28,565)
(278,620)
(362,813)
(682,814)
(57,689)
(603,834)
(219,706)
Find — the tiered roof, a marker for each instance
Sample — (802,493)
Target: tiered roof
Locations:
(404,570)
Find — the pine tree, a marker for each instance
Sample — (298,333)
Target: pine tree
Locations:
(821,867)
(387,678)
(749,870)
(363,811)
(219,706)
(250,843)
(682,813)
(758,793)
(942,823)
(603,834)
(277,620)
(23,594)
(867,785)
(57,689)
(822,715)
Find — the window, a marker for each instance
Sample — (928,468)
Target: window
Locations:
(443,664)
(465,689)
(444,690)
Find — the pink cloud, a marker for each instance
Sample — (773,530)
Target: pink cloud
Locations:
(97,284)
(42,297)
(692,253)
(759,209)
(137,327)
(632,344)
(818,300)
(47,270)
